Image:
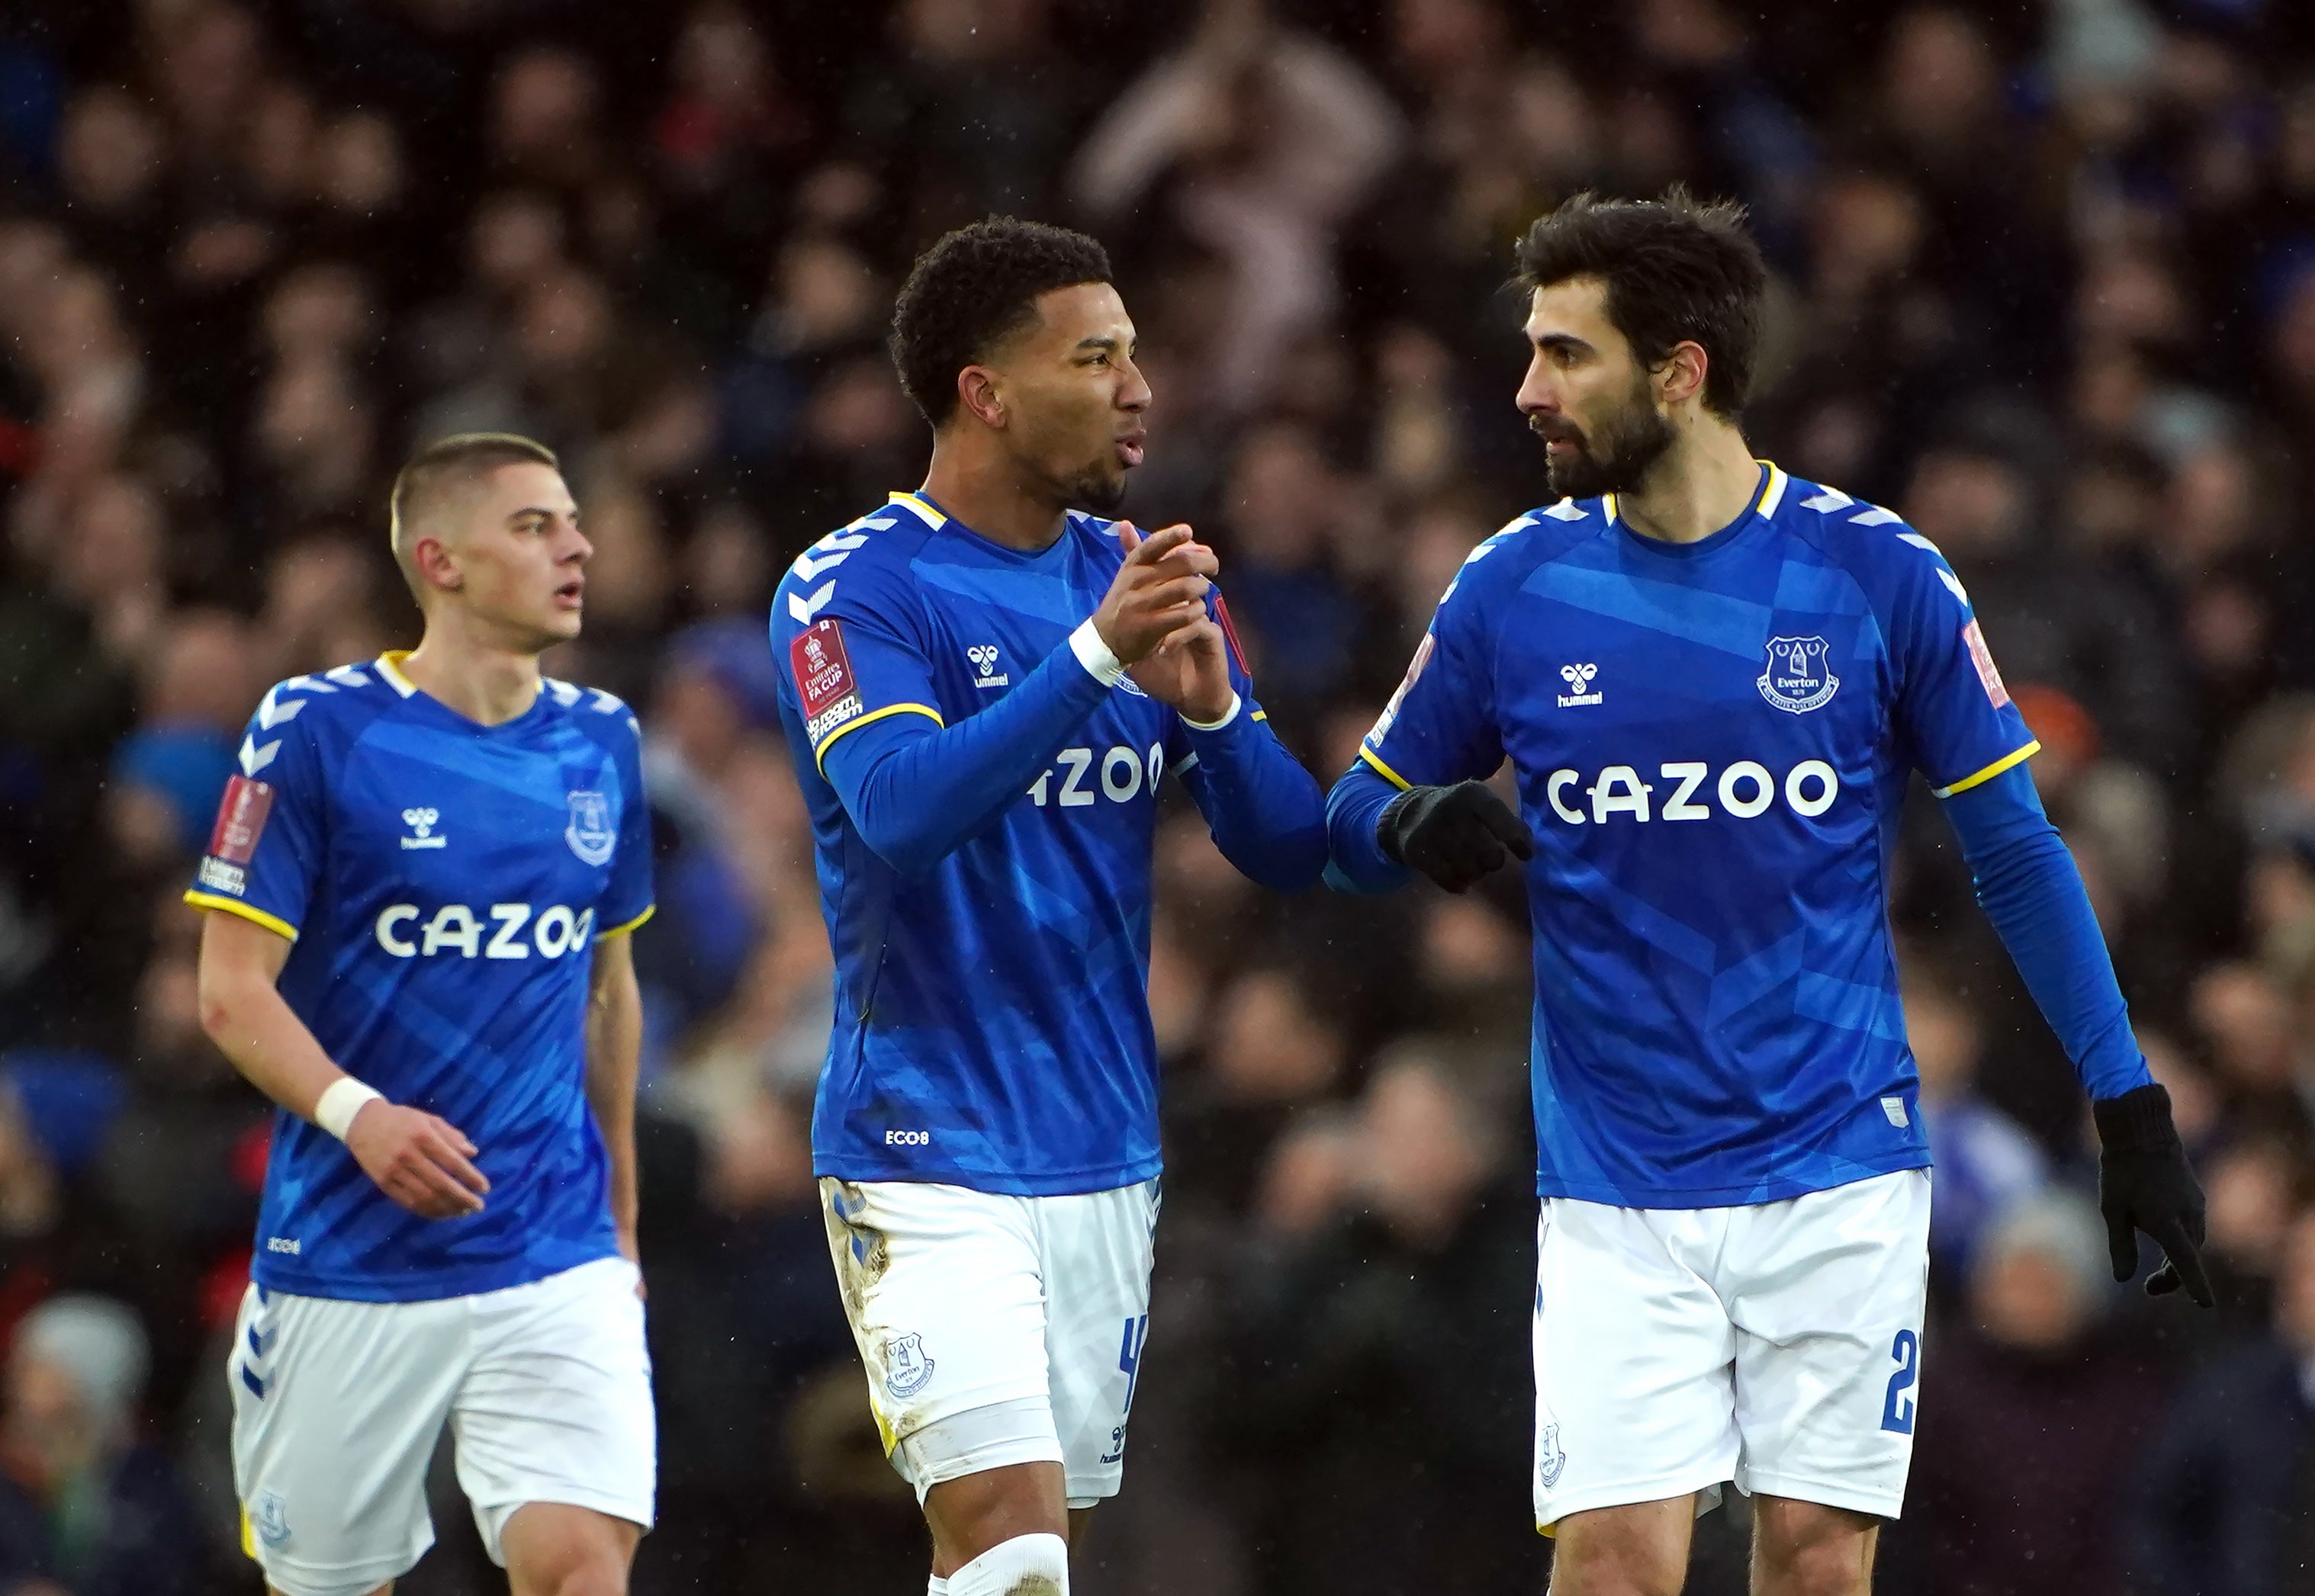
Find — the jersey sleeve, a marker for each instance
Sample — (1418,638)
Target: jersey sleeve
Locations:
(1952,708)
(628,899)
(267,850)
(848,633)
(1262,807)
(1439,728)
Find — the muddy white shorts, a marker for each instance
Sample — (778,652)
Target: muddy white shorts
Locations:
(1776,1345)
(337,1407)
(997,1330)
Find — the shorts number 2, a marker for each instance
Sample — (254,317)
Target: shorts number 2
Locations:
(1897,1409)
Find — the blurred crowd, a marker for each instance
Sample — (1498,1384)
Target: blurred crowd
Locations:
(2044,284)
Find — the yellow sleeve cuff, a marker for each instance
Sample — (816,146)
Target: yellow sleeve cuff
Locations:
(622,930)
(820,753)
(1393,776)
(1990,772)
(235,906)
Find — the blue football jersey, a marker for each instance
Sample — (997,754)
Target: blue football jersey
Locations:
(1712,742)
(443,883)
(992,1018)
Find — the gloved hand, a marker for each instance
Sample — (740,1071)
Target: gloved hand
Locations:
(2145,1184)
(1453,835)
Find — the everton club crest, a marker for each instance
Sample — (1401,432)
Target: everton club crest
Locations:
(590,834)
(1799,677)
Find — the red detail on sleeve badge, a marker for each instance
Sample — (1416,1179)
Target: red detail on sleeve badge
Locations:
(823,670)
(241,820)
(1981,657)
(1229,635)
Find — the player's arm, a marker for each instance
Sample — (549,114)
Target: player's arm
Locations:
(1261,805)
(917,792)
(1970,741)
(1413,801)
(614,1040)
(422,1162)
(257,881)
(2028,884)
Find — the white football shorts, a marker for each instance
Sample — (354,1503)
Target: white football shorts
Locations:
(337,1407)
(1776,1345)
(997,1330)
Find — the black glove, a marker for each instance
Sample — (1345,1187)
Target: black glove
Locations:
(1453,835)
(2145,1184)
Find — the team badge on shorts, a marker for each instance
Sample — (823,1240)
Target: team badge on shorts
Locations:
(907,1370)
(269,1520)
(1549,1460)
(1799,677)
(590,834)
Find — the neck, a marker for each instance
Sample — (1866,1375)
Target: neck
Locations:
(485,681)
(1705,480)
(977,484)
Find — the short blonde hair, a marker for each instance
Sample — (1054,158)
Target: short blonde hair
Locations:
(443,468)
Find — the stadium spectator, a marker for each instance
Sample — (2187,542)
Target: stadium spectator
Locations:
(2032,1426)
(2224,1506)
(85,1509)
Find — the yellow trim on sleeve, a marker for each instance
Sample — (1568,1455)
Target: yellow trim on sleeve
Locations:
(248,1537)
(922,507)
(273,923)
(1990,772)
(1375,759)
(1261,714)
(819,754)
(630,924)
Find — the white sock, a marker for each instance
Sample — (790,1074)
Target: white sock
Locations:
(1025,1566)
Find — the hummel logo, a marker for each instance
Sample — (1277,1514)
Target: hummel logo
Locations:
(422,823)
(1578,679)
(984,656)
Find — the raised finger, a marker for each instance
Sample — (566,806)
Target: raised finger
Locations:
(1157,545)
(1192,557)
(1128,536)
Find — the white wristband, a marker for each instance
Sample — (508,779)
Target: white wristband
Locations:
(1229,715)
(1093,654)
(339,1102)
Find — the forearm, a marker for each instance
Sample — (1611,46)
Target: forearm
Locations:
(1261,806)
(916,796)
(1356,862)
(615,1033)
(2030,889)
(267,1042)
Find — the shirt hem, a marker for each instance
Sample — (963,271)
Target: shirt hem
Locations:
(429,1287)
(1745,1194)
(1071,1182)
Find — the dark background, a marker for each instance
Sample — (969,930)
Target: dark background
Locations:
(2046,284)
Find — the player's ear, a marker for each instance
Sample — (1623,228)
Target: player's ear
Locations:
(976,391)
(1681,374)
(436,564)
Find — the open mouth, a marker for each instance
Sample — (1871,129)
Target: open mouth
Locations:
(571,595)
(1129,450)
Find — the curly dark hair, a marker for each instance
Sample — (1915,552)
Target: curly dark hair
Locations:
(971,289)
(1678,270)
